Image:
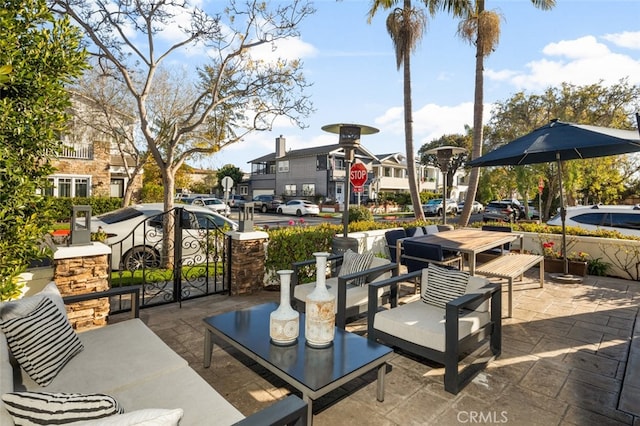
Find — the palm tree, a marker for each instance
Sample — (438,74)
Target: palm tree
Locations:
(482,28)
(406,26)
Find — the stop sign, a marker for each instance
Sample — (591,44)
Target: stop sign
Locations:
(358,174)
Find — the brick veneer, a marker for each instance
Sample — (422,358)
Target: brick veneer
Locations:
(75,273)
(247,262)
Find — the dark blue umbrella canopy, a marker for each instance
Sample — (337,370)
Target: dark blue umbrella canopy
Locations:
(561,141)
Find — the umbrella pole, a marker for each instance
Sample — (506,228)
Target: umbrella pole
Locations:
(563,217)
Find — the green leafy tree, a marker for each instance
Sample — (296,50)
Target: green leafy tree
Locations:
(229,170)
(481,28)
(457,161)
(406,26)
(40,56)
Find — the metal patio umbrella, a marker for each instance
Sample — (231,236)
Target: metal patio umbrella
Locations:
(559,141)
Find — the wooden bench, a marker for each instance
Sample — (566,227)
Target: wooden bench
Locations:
(511,266)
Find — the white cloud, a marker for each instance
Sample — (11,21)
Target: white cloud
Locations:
(581,61)
(628,39)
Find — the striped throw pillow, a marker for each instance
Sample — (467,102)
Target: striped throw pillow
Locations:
(42,341)
(442,285)
(354,262)
(45,408)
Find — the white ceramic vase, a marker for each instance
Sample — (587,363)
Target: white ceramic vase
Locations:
(320,308)
(284,322)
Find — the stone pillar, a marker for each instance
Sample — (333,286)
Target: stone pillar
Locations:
(81,270)
(247,262)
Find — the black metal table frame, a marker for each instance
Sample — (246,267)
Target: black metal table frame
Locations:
(308,394)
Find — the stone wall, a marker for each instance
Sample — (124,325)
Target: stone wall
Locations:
(80,275)
(247,264)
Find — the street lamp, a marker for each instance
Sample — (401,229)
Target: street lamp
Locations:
(444,154)
(349,141)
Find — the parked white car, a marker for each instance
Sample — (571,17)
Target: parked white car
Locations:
(299,208)
(434,207)
(624,219)
(476,207)
(135,233)
(215,204)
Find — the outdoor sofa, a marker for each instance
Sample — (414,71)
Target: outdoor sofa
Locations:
(122,366)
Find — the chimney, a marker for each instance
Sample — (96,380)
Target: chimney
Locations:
(281,148)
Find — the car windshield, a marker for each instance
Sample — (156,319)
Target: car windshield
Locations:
(119,215)
(435,201)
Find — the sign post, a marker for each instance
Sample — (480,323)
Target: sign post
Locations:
(358,177)
(540,188)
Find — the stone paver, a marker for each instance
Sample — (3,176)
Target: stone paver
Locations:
(565,353)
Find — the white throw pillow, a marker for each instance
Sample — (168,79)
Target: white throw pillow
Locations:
(355,262)
(442,285)
(46,408)
(144,417)
(42,341)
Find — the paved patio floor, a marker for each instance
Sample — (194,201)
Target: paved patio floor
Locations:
(564,360)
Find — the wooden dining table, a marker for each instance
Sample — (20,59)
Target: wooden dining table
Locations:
(468,241)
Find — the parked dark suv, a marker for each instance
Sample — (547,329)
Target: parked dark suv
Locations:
(266,203)
(501,211)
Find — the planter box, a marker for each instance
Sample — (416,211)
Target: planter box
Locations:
(557,266)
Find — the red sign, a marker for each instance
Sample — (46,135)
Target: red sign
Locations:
(357,189)
(540,185)
(358,174)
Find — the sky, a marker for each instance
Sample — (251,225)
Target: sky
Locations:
(352,67)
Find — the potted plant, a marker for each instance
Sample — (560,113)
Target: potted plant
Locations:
(554,260)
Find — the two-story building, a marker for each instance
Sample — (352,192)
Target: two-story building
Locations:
(319,173)
(91,162)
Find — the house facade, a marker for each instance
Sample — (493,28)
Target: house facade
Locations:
(91,162)
(319,174)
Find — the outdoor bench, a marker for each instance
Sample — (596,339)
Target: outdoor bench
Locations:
(511,266)
(129,363)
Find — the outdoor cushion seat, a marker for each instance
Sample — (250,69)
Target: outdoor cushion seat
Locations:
(391,237)
(417,255)
(441,329)
(351,299)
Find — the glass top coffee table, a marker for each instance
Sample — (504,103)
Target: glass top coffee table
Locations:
(313,372)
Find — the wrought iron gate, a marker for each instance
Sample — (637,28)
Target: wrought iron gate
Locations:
(174,255)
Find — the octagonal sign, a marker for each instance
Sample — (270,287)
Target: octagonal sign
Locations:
(358,174)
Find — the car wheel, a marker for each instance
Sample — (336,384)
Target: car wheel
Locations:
(279,211)
(263,209)
(298,213)
(141,257)
(439,212)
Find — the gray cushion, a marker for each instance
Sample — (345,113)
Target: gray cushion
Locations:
(46,408)
(128,347)
(42,341)
(21,307)
(442,285)
(424,324)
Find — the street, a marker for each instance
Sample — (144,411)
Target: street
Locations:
(277,220)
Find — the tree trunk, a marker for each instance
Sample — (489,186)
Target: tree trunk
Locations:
(408,131)
(476,151)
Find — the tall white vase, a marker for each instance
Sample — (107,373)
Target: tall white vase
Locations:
(284,322)
(320,308)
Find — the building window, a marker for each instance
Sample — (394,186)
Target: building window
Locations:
(308,189)
(117,188)
(244,190)
(283,166)
(69,186)
(339,163)
(387,171)
(321,162)
(290,190)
